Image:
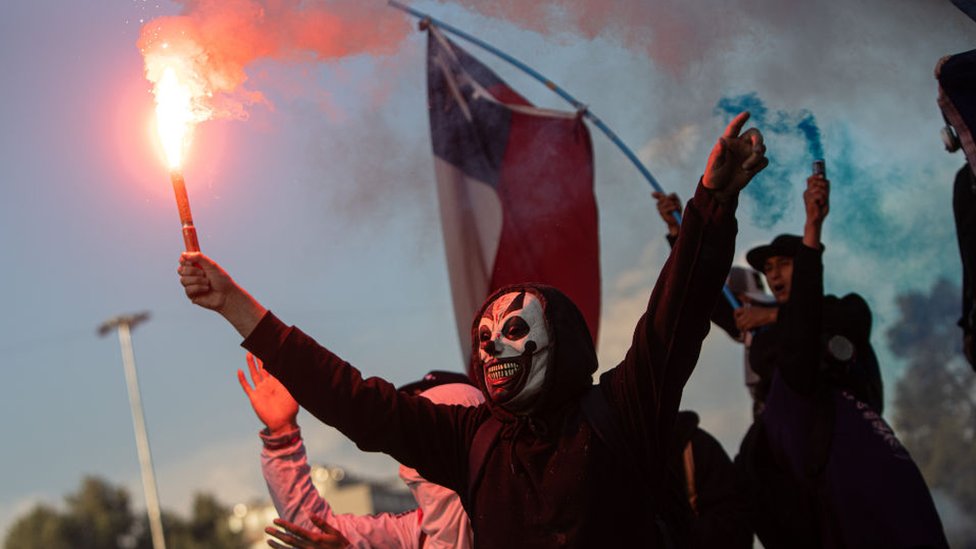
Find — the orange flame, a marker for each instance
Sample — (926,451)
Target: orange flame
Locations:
(182,97)
(174,117)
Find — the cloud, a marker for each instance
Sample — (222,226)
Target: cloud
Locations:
(676,146)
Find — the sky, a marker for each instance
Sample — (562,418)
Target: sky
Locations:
(317,195)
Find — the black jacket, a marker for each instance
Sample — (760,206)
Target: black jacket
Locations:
(548,481)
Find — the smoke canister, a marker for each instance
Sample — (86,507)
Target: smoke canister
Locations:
(820,168)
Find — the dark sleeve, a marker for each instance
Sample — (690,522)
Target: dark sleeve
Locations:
(646,387)
(431,438)
(963,206)
(723,314)
(800,320)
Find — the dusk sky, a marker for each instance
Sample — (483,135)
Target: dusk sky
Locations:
(319,199)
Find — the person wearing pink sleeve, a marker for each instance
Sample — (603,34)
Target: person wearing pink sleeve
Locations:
(438,522)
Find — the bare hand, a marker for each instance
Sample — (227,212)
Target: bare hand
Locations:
(816,199)
(668,205)
(272,403)
(297,537)
(205,283)
(750,318)
(210,287)
(735,159)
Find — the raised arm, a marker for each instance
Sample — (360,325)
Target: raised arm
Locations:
(801,317)
(288,476)
(734,322)
(429,437)
(667,206)
(646,387)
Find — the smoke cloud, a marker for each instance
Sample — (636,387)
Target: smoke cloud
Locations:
(212,42)
(771,197)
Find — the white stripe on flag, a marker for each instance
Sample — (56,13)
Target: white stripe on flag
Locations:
(471,221)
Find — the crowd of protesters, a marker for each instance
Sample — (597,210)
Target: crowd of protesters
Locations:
(529,451)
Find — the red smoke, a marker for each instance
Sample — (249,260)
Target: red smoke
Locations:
(218,39)
(213,42)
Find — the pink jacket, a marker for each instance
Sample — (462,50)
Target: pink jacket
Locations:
(440,516)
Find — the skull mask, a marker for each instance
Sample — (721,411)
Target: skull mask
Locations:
(513,340)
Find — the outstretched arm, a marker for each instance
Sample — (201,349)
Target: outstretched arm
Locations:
(647,386)
(429,437)
(733,321)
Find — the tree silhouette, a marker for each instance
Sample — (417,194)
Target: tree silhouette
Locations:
(98,516)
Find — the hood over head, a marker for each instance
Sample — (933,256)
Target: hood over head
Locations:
(572,355)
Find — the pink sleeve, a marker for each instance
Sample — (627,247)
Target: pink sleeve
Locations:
(289,481)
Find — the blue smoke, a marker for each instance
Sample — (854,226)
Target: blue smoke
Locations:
(769,192)
(910,243)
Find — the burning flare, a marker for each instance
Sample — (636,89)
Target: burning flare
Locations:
(173,116)
(176,115)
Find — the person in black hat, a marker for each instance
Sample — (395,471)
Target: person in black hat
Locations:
(851,360)
(846,329)
(824,469)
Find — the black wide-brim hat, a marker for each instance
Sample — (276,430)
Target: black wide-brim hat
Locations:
(786,245)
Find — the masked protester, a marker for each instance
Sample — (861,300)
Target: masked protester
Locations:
(824,468)
(438,522)
(530,464)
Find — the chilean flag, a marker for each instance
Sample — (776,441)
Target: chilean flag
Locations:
(515,186)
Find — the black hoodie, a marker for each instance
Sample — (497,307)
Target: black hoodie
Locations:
(548,481)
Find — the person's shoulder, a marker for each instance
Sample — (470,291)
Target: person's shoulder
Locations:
(850,302)
(850,312)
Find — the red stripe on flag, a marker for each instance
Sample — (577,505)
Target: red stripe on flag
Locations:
(549,228)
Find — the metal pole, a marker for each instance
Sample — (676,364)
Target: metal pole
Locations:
(577,104)
(124,324)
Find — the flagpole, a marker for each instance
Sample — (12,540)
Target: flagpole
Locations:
(579,106)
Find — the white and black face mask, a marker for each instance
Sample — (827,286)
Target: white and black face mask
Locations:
(513,345)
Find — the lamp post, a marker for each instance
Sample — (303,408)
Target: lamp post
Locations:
(124,325)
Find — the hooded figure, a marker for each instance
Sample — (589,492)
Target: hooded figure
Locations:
(545,479)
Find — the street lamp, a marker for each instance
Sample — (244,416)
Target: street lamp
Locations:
(124,325)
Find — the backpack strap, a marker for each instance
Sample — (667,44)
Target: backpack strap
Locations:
(485,439)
